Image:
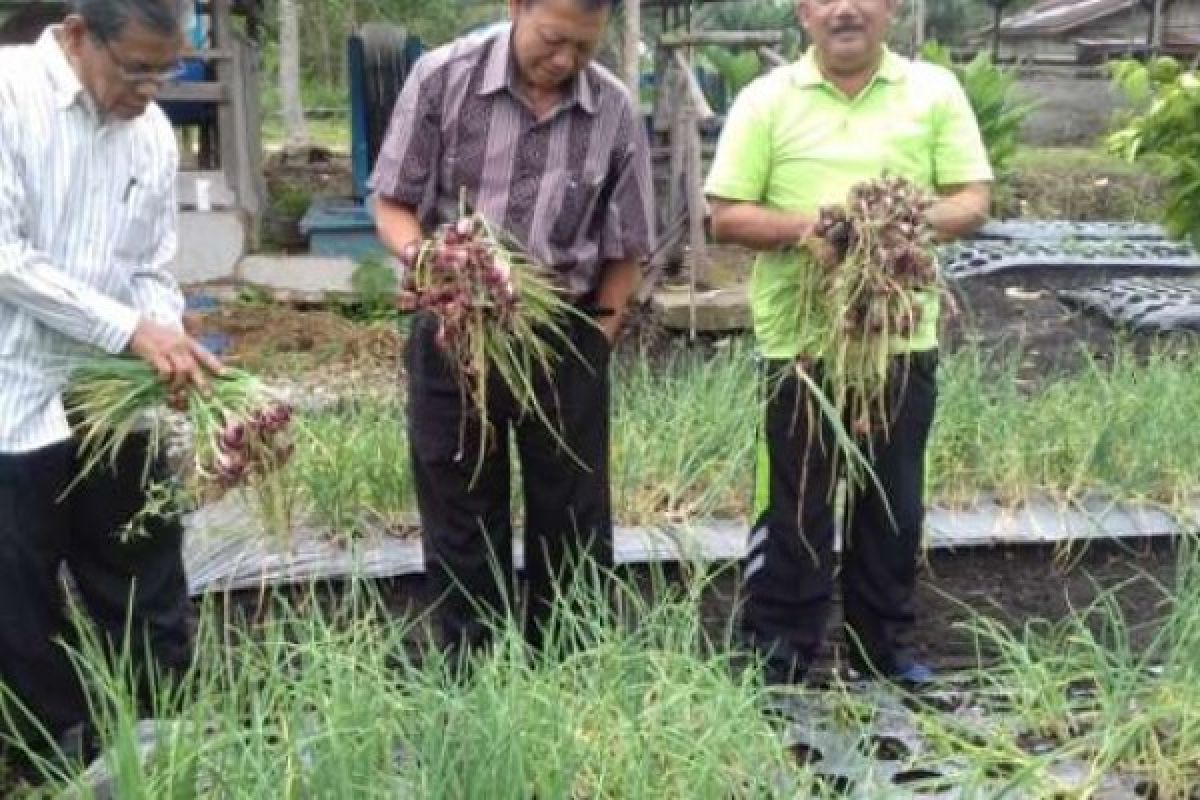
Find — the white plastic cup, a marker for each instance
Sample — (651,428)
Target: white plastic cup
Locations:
(203,194)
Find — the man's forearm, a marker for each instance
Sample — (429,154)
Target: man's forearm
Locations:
(758,227)
(30,281)
(960,211)
(618,281)
(396,224)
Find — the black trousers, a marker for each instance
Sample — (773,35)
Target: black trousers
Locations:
(788,574)
(464,502)
(135,587)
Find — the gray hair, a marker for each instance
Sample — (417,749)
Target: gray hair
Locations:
(106,19)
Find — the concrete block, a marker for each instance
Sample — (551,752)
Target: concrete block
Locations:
(210,246)
(717,310)
(302,278)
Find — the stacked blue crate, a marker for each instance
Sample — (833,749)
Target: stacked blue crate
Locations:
(378,60)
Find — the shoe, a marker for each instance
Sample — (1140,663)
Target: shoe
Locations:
(913,674)
(778,664)
(779,674)
(906,673)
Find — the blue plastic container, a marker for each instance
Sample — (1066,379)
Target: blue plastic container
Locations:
(341,228)
(201,304)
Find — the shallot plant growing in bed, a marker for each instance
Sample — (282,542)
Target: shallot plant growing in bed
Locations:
(241,431)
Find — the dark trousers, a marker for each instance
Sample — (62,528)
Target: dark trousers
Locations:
(463,498)
(788,574)
(136,586)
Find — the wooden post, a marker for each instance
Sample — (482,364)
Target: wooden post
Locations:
(662,113)
(697,248)
(632,49)
(772,57)
(247,124)
(918,27)
(222,32)
(694,91)
(676,201)
(1156,27)
(723,39)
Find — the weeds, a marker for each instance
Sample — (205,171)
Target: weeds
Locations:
(683,439)
(632,702)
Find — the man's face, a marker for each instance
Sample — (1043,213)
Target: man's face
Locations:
(847,34)
(553,40)
(122,75)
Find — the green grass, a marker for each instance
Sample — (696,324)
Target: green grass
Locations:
(633,698)
(329,704)
(683,437)
(353,466)
(332,133)
(1079,688)
(1084,160)
(1076,183)
(1126,429)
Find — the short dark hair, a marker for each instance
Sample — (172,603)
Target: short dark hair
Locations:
(106,19)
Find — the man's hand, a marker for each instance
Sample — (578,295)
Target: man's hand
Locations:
(180,360)
(610,326)
(823,254)
(406,301)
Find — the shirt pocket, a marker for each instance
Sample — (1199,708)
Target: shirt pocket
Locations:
(136,235)
(574,202)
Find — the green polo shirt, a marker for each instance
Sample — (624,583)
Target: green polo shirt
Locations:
(794,142)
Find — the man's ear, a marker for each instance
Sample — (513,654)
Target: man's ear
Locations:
(801,9)
(74,30)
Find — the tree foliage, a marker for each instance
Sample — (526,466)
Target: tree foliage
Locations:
(1165,130)
(326,24)
(999,109)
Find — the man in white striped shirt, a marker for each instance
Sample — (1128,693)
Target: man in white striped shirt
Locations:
(87,228)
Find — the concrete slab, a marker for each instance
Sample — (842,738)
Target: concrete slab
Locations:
(717,310)
(301,278)
(210,246)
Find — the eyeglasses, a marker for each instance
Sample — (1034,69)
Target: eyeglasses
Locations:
(135,76)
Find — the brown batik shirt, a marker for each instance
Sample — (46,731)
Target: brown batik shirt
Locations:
(574,189)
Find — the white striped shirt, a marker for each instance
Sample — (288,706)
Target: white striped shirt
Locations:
(87,229)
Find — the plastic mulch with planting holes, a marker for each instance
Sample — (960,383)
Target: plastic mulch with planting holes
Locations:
(1144,305)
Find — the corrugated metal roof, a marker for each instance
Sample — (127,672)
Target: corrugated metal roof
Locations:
(1061,16)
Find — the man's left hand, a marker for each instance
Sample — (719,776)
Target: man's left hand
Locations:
(610,326)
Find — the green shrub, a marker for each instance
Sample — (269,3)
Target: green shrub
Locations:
(1165,132)
(999,109)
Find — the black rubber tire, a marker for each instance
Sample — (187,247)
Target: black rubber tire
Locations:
(386,64)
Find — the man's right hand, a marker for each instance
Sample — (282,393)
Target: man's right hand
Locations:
(406,301)
(179,359)
(823,254)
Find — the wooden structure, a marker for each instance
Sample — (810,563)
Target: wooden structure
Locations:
(681,114)
(222,100)
(1091,31)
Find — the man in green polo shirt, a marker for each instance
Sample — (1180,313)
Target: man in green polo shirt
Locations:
(797,139)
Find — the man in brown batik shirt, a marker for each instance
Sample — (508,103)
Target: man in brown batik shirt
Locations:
(548,145)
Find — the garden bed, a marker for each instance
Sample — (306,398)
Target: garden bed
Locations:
(1005,535)
(1062,473)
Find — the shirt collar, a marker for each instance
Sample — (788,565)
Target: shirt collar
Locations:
(63,80)
(499,74)
(806,73)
